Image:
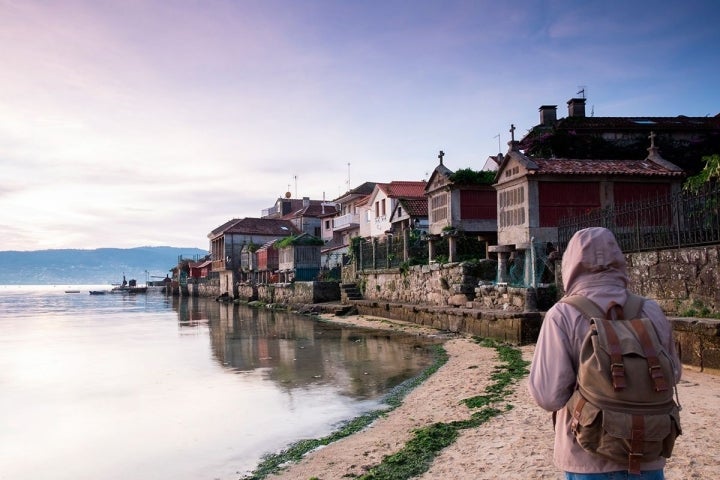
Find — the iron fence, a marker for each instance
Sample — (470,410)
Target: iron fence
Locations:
(389,253)
(376,254)
(684,219)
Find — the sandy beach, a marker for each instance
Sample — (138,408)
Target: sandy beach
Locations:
(517,444)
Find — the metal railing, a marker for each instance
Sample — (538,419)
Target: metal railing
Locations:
(377,254)
(684,219)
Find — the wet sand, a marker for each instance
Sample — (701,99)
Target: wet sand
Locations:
(517,444)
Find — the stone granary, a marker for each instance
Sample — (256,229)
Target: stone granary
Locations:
(534,193)
(455,206)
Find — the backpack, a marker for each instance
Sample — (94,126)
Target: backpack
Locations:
(623,407)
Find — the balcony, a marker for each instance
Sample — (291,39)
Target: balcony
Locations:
(346,222)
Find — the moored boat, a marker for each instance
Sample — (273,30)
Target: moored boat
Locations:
(129,287)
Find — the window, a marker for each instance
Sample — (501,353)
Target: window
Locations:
(438,208)
(512,208)
(382,205)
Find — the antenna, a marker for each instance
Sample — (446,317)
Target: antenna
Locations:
(582,91)
(296,195)
(499,147)
(348,180)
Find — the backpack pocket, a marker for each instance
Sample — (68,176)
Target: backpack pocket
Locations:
(609,433)
(659,434)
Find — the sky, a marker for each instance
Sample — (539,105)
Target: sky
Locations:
(128,123)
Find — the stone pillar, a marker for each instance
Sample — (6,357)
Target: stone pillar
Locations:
(406,245)
(452,248)
(431,250)
(503,252)
(531,300)
(528,264)
(374,249)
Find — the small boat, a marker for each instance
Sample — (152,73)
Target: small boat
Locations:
(72,291)
(98,292)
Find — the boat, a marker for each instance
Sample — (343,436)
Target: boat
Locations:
(72,291)
(129,287)
(98,292)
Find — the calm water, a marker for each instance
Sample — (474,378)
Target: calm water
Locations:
(148,387)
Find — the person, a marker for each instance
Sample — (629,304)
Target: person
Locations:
(593,266)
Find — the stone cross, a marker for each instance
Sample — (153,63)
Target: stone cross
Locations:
(652,139)
(440,156)
(512,132)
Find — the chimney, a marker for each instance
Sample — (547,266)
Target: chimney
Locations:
(576,107)
(306,201)
(548,114)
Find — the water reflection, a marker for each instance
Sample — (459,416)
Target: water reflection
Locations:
(155,387)
(300,352)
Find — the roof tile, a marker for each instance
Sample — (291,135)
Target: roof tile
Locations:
(565,166)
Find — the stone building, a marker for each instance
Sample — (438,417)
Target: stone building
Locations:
(683,140)
(229,239)
(534,193)
(470,208)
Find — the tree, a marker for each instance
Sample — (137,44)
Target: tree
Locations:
(709,173)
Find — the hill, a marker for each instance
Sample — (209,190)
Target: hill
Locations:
(99,266)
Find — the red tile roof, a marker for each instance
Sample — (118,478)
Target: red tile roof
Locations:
(565,166)
(404,189)
(415,207)
(257,226)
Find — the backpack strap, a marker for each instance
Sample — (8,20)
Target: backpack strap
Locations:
(654,367)
(637,440)
(593,311)
(633,306)
(617,366)
(586,306)
(633,310)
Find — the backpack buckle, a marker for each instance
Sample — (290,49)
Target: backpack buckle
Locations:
(617,370)
(658,378)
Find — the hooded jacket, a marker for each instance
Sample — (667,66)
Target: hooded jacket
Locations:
(593,266)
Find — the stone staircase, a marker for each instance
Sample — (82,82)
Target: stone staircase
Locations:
(349,291)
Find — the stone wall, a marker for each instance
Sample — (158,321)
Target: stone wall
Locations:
(698,342)
(296,293)
(514,327)
(450,284)
(202,287)
(680,280)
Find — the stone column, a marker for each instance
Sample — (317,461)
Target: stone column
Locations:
(452,248)
(503,252)
(406,245)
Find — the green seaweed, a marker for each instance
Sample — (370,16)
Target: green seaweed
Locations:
(419,452)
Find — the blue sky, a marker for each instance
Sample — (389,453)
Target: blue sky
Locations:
(126,123)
